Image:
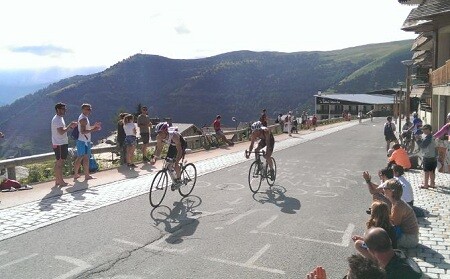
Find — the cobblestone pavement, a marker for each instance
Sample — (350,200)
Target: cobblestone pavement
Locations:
(432,255)
(433,252)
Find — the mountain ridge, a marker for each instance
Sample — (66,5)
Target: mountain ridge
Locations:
(238,84)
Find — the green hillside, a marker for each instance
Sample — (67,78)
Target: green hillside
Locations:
(236,84)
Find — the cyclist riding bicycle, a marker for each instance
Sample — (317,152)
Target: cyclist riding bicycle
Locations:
(177,147)
(265,137)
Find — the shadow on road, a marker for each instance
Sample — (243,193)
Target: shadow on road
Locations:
(179,221)
(276,195)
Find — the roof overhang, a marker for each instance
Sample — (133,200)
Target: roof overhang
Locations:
(422,42)
(420,92)
(410,2)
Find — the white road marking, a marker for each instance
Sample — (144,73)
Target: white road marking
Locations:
(257,255)
(154,246)
(81,266)
(206,213)
(18,261)
(249,263)
(266,223)
(346,237)
(240,216)
(235,201)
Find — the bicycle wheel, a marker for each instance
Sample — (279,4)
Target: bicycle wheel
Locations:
(271,178)
(188,179)
(254,177)
(159,188)
(205,144)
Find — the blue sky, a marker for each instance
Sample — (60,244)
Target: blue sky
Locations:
(86,33)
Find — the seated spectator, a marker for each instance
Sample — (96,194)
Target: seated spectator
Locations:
(402,215)
(408,194)
(219,132)
(375,189)
(359,268)
(394,262)
(400,157)
(379,217)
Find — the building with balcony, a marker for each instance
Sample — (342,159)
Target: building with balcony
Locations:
(430,86)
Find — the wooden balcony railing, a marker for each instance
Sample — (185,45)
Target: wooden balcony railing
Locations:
(441,76)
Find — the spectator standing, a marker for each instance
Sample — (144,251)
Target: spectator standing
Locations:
(263,118)
(130,138)
(294,125)
(219,132)
(304,120)
(121,138)
(428,147)
(400,157)
(144,125)
(389,132)
(2,135)
(443,146)
(314,121)
(60,141)
(394,262)
(84,143)
(289,123)
(416,128)
(402,215)
(360,116)
(280,120)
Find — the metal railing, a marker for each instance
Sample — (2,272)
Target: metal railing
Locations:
(193,143)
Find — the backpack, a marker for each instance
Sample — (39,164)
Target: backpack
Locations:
(388,129)
(93,165)
(75,133)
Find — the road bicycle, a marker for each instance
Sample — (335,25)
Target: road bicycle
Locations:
(160,182)
(258,171)
(208,139)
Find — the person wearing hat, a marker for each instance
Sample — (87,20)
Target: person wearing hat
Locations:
(443,144)
(428,147)
(219,132)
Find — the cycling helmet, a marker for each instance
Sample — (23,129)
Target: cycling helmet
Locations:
(256,126)
(161,127)
(415,114)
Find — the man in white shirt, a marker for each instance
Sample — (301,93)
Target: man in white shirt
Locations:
(60,141)
(84,141)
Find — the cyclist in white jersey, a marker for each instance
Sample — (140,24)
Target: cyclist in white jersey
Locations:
(177,146)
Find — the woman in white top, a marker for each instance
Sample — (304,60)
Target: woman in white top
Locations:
(130,138)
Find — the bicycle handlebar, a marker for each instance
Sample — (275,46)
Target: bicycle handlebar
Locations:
(261,152)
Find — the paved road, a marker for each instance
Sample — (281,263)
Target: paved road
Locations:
(221,231)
